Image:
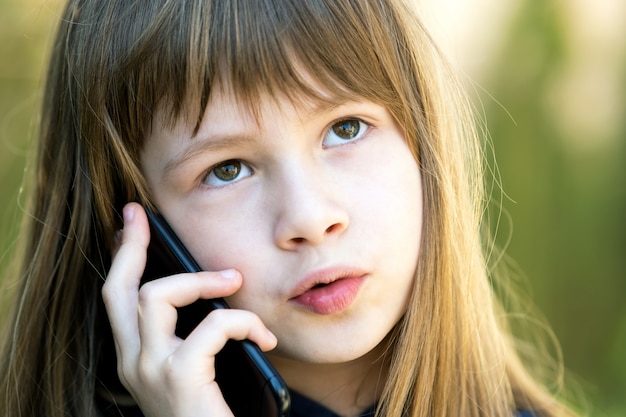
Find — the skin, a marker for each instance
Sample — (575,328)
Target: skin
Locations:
(306,205)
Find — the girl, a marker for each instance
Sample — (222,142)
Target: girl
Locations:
(318,161)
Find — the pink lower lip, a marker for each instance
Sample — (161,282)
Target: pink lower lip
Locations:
(332,298)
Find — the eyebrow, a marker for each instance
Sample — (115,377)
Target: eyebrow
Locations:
(201,144)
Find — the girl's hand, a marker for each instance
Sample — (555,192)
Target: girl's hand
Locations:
(166,375)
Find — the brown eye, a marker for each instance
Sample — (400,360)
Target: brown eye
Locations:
(347,129)
(227,171)
(344,131)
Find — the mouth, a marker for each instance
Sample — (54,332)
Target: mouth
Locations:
(329,291)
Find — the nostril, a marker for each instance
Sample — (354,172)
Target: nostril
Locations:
(295,230)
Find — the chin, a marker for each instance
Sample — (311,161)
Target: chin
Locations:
(330,352)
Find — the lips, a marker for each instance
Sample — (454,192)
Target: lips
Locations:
(328,291)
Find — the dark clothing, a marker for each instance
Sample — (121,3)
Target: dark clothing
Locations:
(301,406)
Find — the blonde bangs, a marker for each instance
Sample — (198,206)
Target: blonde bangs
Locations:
(255,48)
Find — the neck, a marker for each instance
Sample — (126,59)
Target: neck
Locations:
(346,388)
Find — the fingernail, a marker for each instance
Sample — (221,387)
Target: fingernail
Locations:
(228,274)
(129,214)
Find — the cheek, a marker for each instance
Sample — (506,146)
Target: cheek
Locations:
(397,227)
(394,204)
(228,239)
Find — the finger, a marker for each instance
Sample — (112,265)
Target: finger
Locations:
(159,299)
(120,290)
(210,336)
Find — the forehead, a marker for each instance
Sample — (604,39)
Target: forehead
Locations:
(225,100)
(226,111)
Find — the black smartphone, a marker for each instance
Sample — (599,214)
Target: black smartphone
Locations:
(250,384)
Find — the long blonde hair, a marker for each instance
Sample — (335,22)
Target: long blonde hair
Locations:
(116,62)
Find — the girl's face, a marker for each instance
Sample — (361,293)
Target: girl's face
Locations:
(319,207)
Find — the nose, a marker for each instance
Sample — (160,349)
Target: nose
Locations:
(310,211)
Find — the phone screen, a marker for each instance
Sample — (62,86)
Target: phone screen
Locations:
(250,384)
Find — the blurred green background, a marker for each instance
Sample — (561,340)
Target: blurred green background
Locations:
(550,81)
